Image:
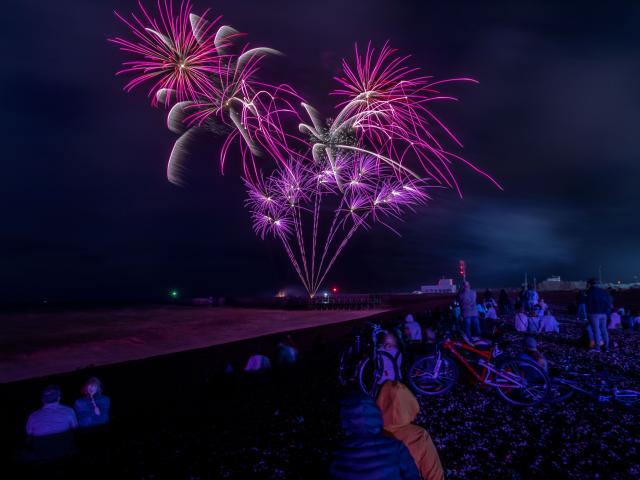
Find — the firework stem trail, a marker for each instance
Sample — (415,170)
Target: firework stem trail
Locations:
(341,247)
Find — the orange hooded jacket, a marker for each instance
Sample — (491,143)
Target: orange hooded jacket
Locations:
(399,408)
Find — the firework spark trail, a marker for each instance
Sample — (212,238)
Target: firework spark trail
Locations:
(386,99)
(188,61)
(305,190)
(338,251)
(173,59)
(370,165)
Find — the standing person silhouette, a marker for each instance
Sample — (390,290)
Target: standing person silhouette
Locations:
(598,307)
(468,305)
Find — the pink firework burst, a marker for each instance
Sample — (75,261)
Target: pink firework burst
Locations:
(300,204)
(170,57)
(387,106)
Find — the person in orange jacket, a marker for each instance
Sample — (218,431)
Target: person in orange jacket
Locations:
(399,408)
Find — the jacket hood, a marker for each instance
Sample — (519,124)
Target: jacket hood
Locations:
(360,416)
(399,406)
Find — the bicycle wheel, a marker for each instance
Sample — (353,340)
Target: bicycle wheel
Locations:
(433,374)
(559,390)
(368,375)
(627,397)
(520,382)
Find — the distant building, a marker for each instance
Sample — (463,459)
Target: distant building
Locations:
(444,285)
(622,286)
(555,283)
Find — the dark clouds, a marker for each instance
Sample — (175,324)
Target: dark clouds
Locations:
(88,213)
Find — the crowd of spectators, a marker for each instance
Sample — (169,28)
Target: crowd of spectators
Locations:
(380,439)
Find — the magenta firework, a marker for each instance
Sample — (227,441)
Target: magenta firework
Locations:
(311,184)
(305,208)
(176,53)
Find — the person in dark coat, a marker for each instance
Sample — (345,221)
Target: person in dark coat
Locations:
(581,305)
(598,308)
(366,453)
(504,304)
(93,407)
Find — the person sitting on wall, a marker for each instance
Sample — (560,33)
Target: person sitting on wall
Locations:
(286,352)
(53,417)
(257,363)
(93,407)
(49,429)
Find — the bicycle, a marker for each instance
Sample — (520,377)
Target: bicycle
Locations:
(518,381)
(598,386)
(365,363)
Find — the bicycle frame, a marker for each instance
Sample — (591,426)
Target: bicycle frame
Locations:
(597,392)
(573,384)
(452,345)
(503,379)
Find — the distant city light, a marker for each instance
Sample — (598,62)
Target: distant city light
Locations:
(325,294)
(173,294)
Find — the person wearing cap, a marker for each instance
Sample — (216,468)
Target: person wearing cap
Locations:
(598,308)
(532,354)
(366,453)
(53,417)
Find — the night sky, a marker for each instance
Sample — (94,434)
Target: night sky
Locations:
(87,212)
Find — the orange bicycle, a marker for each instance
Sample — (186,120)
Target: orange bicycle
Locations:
(518,381)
